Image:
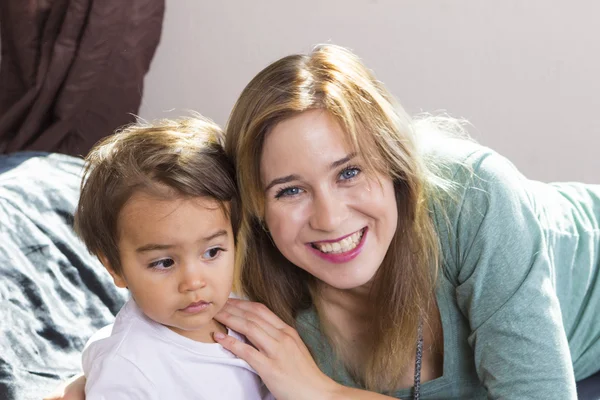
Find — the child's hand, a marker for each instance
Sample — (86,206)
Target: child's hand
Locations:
(73,389)
(280,357)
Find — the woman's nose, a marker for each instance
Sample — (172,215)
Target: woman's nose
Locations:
(328,212)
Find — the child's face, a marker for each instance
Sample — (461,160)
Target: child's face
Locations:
(177,258)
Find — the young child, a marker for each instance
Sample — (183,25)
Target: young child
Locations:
(158,207)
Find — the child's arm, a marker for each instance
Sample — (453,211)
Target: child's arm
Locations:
(73,389)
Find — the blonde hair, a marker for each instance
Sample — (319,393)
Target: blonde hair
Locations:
(167,158)
(332,78)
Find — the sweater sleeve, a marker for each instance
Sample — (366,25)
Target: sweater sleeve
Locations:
(505,287)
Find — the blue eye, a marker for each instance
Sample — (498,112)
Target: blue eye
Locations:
(213,253)
(349,173)
(165,263)
(288,192)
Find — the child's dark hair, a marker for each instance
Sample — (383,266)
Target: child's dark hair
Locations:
(167,158)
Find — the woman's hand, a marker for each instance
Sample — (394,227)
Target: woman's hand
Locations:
(73,389)
(280,357)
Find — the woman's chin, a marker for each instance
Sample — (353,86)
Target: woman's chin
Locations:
(355,280)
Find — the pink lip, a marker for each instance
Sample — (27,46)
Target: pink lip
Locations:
(338,239)
(196,307)
(340,258)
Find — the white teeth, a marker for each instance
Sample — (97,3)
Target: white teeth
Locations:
(342,246)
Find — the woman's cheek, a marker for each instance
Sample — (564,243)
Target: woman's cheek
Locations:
(285,222)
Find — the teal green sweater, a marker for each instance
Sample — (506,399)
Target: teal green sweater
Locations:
(519,288)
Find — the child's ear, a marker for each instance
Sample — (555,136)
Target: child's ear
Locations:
(119,280)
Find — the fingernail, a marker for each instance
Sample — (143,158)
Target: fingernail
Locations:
(220,336)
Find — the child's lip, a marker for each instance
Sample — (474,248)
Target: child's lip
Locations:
(197,303)
(196,306)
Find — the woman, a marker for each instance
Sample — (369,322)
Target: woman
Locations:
(362,226)
(406,260)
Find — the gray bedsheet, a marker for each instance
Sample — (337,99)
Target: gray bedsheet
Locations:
(53,294)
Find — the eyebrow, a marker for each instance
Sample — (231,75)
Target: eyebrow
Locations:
(156,246)
(152,247)
(215,235)
(342,161)
(294,177)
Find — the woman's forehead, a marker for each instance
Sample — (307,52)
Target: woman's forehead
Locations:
(313,133)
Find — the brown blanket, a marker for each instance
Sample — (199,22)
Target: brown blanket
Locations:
(72,71)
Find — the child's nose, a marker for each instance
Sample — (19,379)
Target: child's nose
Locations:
(192,278)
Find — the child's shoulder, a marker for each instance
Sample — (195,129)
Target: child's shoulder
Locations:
(130,336)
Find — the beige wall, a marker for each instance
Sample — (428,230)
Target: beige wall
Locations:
(524,72)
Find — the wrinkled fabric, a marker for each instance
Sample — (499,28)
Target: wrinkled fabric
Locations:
(53,294)
(72,71)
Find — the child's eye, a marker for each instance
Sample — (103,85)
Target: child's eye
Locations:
(213,253)
(349,173)
(288,192)
(165,263)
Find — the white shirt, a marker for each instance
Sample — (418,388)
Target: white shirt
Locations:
(141,359)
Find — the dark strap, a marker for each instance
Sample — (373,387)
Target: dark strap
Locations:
(419,356)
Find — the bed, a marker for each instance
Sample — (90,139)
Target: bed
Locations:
(53,294)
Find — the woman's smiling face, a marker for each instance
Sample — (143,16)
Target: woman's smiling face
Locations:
(324,213)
